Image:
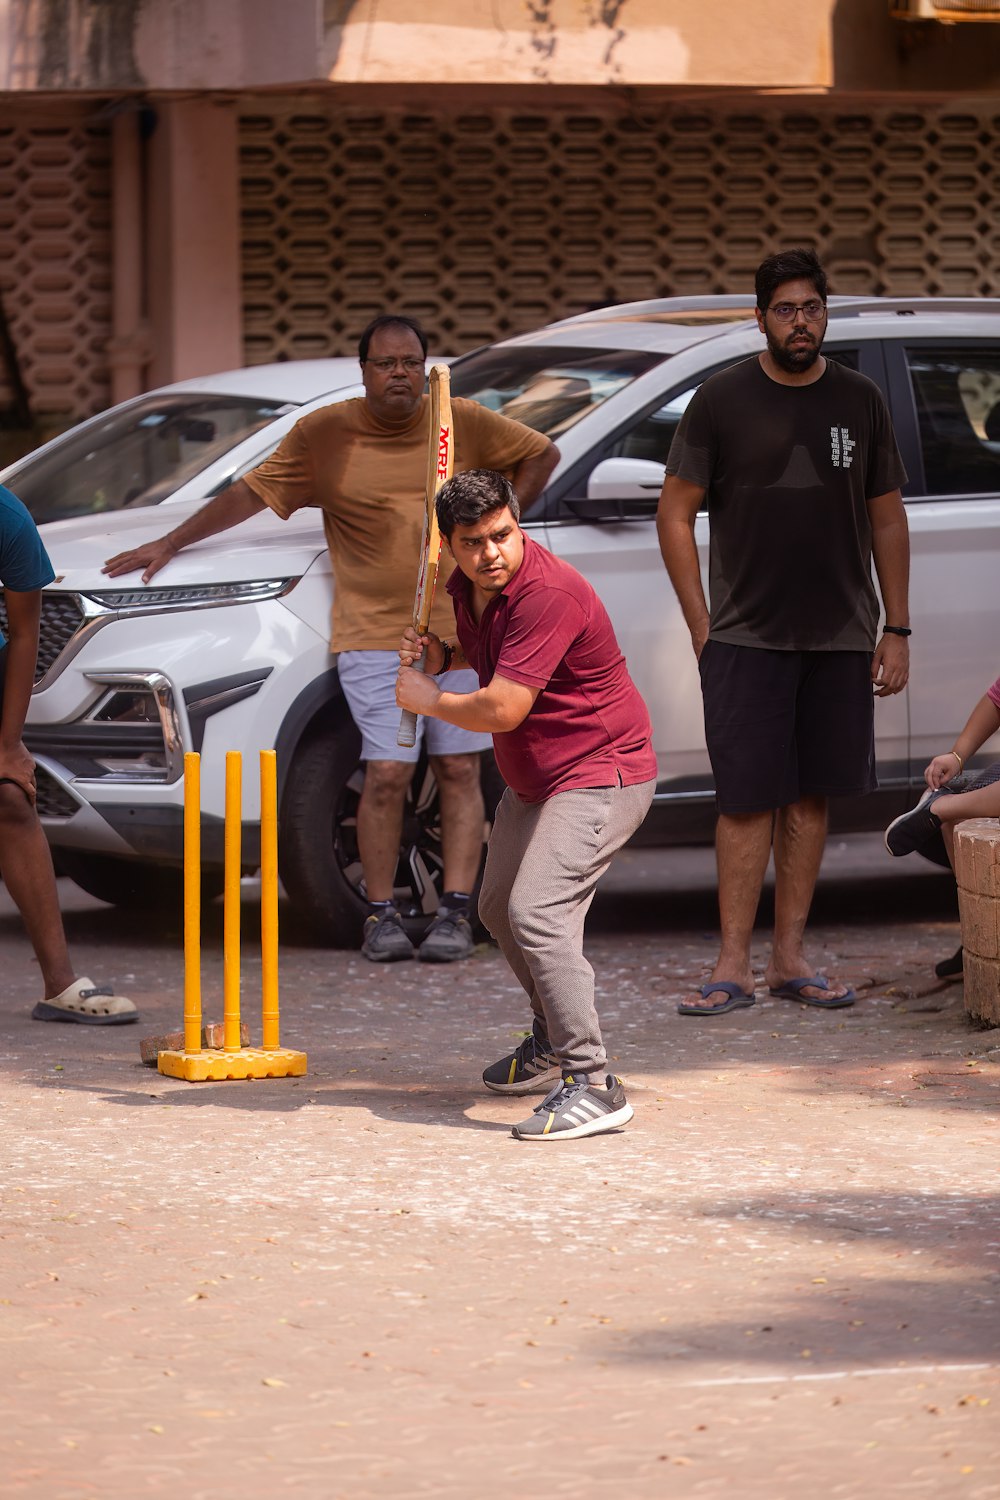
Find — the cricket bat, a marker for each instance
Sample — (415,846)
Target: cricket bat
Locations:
(440,464)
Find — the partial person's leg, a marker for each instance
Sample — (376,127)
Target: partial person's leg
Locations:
(380,824)
(799,841)
(513,828)
(368,679)
(835,746)
(456,760)
(749,721)
(26,866)
(742,851)
(575,836)
(449,936)
(463,815)
(956,807)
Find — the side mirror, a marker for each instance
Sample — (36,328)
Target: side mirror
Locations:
(621,489)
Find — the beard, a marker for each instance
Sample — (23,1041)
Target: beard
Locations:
(795,353)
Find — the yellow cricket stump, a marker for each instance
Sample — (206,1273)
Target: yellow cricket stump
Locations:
(270,1060)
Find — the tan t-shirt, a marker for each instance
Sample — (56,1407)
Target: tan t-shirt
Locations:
(368,479)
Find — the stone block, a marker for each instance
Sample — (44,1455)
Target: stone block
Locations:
(982,988)
(977,856)
(977,870)
(173,1041)
(980,923)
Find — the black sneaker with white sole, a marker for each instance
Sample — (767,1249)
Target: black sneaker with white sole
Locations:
(912,829)
(575,1108)
(531,1067)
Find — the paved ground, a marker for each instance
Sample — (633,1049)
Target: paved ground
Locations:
(781,1279)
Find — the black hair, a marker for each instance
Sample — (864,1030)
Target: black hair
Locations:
(389,320)
(466,498)
(788,265)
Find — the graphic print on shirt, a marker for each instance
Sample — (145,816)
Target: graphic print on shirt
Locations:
(842,447)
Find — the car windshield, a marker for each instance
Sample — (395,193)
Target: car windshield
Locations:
(137,455)
(545,387)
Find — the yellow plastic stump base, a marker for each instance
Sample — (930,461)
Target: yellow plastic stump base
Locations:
(248,1062)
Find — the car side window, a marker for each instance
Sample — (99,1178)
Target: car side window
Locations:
(651,438)
(957,393)
(622,480)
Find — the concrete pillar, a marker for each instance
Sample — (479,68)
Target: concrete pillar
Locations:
(193,262)
(977,870)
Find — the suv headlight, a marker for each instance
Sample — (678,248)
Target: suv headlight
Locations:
(196,596)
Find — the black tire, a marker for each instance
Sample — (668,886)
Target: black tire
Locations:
(317,839)
(131,884)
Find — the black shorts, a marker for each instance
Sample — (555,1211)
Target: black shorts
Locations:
(781,725)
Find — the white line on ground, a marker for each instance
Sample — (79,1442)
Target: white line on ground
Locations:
(844,1374)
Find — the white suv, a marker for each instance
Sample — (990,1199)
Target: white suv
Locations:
(227,648)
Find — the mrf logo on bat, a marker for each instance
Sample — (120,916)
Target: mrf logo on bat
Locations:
(444,446)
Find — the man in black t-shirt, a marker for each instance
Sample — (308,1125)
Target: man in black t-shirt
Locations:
(795,458)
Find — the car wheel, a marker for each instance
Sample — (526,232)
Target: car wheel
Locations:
(131,884)
(318,846)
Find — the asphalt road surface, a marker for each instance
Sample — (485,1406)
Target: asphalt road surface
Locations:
(781,1279)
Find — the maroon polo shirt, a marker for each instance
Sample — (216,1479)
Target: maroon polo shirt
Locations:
(588,727)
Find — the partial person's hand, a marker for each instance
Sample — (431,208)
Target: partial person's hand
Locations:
(18,765)
(891,665)
(151,557)
(416,691)
(941,769)
(698,638)
(411,649)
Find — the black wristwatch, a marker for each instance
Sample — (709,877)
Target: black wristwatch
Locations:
(896,630)
(449,652)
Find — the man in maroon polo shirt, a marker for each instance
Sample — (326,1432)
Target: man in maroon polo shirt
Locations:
(572,739)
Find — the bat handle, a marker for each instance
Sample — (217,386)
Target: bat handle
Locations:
(406,736)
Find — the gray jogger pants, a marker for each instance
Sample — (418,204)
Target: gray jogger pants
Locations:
(543,865)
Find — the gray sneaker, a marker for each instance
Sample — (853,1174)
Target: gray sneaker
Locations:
(385,941)
(575,1108)
(449,937)
(533,1066)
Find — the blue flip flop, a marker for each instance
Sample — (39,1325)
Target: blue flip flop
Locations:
(736,999)
(792,990)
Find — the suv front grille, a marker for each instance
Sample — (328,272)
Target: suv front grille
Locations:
(61,619)
(52,800)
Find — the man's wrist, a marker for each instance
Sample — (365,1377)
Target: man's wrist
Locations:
(448,656)
(903,630)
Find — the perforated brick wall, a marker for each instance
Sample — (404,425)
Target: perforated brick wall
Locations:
(55,260)
(490,222)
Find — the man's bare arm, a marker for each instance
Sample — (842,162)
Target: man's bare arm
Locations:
(532,475)
(235,504)
(495,709)
(680,502)
(891,554)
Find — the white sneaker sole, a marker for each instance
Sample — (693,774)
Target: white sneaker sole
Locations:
(540,1084)
(591,1127)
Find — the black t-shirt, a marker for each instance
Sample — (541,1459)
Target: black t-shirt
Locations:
(788,471)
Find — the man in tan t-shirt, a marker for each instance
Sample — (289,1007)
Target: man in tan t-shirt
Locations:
(363,463)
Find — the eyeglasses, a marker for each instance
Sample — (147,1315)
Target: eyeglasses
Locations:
(383,366)
(785,312)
